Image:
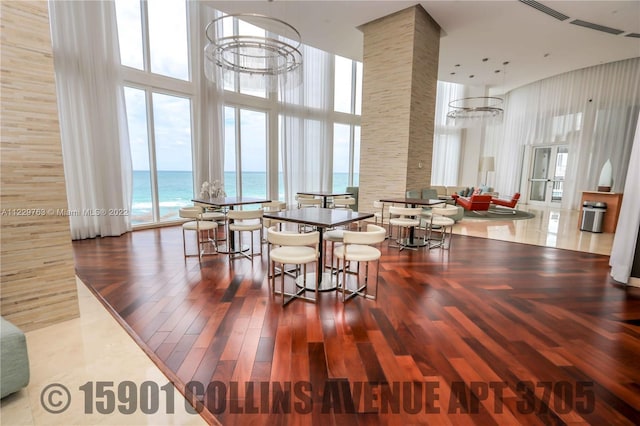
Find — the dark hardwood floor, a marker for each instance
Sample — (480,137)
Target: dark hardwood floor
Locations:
(489,332)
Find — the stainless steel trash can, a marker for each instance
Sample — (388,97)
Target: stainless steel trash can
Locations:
(592,216)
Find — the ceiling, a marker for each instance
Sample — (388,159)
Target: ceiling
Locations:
(478,37)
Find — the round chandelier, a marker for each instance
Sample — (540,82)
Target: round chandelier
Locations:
(475,111)
(262,48)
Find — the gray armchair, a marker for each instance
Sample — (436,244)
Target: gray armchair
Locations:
(354,191)
(14,361)
(429,194)
(413,193)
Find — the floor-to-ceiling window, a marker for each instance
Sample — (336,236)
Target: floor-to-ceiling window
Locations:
(158,92)
(161,97)
(347,100)
(346,156)
(325,107)
(245,151)
(447,140)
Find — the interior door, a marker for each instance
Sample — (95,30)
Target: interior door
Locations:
(548,170)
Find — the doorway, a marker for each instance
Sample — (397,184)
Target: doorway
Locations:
(548,170)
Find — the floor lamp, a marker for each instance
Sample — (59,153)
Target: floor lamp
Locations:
(487,164)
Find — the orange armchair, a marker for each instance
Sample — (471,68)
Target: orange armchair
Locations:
(474,203)
(506,203)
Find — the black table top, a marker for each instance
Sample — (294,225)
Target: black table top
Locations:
(230,201)
(320,217)
(324,193)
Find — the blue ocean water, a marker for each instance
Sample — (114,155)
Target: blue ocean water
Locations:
(175,190)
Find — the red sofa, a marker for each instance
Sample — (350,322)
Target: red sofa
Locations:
(474,203)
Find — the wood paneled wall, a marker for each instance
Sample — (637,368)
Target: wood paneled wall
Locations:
(37,277)
(398,104)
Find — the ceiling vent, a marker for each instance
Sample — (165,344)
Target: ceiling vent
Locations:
(545,9)
(636,35)
(596,27)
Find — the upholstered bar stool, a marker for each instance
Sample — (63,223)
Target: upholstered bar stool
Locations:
(308,201)
(272,207)
(442,221)
(215,215)
(358,247)
(198,225)
(378,214)
(332,236)
(293,249)
(407,217)
(245,221)
(344,202)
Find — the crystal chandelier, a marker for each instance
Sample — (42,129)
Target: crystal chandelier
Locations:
(265,50)
(475,111)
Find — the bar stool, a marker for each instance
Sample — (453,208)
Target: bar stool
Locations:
(198,225)
(358,247)
(440,219)
(245,221)
(215,215)
(407,217)
(332,236)
(293,249)
(305,201)
(272,207)
(378,214)
(344,202)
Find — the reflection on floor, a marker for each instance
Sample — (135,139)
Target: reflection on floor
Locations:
(550,227)
(95,348)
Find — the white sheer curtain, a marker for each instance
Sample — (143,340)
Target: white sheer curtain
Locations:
(592,110)
(95,141)
(446,139)
(208,149)
(305,132)
(625,239)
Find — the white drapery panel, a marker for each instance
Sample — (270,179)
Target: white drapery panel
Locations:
(446,139)
(208,145)
(625,239)
(93,126)
(305,131)
(592,110)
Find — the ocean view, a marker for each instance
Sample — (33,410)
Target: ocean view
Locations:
(175,191)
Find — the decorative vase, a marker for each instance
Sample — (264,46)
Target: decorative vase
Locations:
(606,177)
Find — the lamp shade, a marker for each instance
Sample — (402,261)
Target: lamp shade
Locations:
(487,164)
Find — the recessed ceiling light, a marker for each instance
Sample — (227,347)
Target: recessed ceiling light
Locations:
(505,63)
(471,76)
(497,71)
(453,73)
(546,55)
(457,65)
(485,59)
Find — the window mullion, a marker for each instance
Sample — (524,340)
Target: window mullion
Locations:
(153,169)
(351,128)
(238,154)
(353,87)
(146,55)
(351,153)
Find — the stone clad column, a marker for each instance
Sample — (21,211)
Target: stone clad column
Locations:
(400,74)
(37,278)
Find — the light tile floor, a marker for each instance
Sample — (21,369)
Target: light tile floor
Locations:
(550,227)
(91,349)
(95,348)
